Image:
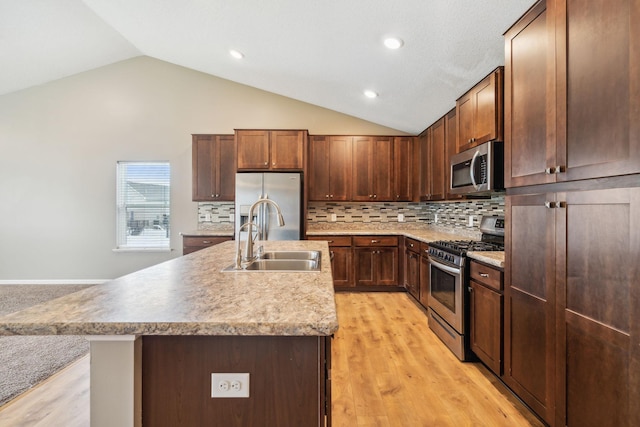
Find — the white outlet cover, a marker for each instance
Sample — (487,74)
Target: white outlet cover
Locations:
(236,385)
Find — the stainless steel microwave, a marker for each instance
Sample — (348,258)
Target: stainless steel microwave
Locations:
(478,170)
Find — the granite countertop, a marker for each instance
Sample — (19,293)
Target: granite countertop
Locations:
(494,258)
(190,295)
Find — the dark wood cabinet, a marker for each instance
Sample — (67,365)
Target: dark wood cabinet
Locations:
(372,178)
(425,277)
(340,249)
(572,306)
(403,168)
(411,268)
(195,243)
(271,149)
(450,148)
(432,161)
(330,168)
(479,112)
(376,260)
(486,307)
(213,168)
(571,94)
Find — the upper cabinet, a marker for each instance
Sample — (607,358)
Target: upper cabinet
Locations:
(450,148)
(480,112)
(572,93)
(330,168)
(214,170)
(403,168)
(431,145)
(270,149)
(372,178)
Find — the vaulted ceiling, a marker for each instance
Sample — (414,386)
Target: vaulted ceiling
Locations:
(324,52)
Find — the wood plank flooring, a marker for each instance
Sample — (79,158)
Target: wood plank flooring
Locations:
(388,369)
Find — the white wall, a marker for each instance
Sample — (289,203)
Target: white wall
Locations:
(59,144)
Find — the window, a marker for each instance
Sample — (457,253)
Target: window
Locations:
(143,214)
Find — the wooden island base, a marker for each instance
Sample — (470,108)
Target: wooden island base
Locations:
(288,380)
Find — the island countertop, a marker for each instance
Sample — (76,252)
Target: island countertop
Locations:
(191,295)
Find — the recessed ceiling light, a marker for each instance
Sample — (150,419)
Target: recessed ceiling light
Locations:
(236,54)
(393,43)
(370,94)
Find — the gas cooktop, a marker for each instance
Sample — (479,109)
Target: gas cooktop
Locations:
(461,247)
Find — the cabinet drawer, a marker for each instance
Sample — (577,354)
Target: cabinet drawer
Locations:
(367,241)
(486,275)
(412,245)
(333,240)
(204,241)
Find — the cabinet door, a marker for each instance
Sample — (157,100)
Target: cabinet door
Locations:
(424,278)
(203,164)
(424,174)
(529,109)
(342,265)
(386,263)
(253,149)
(488,113)
(364,266)
(214,170)
(437,166)
(362,178)
(287,148)
(319,170)
(403,168)
(226,168)
(449,150)
(529,316)
(464,121)
(382,169)
(412,273)
(340,166)
(599,308)
(598,101)
(486,325)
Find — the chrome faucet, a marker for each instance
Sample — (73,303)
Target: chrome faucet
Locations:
(248,252)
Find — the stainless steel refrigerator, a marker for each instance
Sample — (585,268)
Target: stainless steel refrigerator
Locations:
(283,188)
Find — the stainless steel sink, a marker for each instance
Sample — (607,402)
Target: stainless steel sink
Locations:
(284,265)
(292,255)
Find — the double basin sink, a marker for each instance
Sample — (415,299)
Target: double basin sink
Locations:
(284,261)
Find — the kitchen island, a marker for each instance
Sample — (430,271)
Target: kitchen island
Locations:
(158,334)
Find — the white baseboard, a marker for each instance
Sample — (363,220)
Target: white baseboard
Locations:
(54,282)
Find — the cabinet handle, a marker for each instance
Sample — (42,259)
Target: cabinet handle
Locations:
(331,195)
(266,163)
(370,196)
(484,275)
(375,241)
(470,289)
(397,196)
(549,205)
(331,256)
(273,164)
(554,169)
(329,241)
(206,242)
(326,195)
(375,196)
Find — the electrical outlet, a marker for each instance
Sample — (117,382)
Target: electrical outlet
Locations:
(400,217)
(334,218)
(229,385)
(470,220)
(436,218)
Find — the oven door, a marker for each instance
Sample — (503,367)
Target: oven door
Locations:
(446,293)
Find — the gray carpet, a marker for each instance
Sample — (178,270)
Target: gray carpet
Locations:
(26,361)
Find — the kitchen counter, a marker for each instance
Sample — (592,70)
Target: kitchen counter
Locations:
(158,334)
(494,258)
(191,296)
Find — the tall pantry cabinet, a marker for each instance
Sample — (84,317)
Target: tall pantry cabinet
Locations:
(572,164)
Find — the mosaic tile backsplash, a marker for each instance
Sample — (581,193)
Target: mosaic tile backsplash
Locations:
(444,214)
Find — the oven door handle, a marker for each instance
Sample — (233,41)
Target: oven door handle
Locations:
(444,267)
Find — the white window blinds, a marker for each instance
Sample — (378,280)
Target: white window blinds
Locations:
(143,214)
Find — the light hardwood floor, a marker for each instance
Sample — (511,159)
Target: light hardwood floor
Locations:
(388,369)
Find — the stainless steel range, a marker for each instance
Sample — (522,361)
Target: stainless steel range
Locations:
(449,282)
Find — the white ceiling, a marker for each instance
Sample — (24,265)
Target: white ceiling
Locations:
(324,52)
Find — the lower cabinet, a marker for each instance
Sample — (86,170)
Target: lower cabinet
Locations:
(486,324)
(341,259)
(425,276)
(376,260)
(195,243)
(412,266)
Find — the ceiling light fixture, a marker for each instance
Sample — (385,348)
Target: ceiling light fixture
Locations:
(370,94)
(393,43)
(236,54)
